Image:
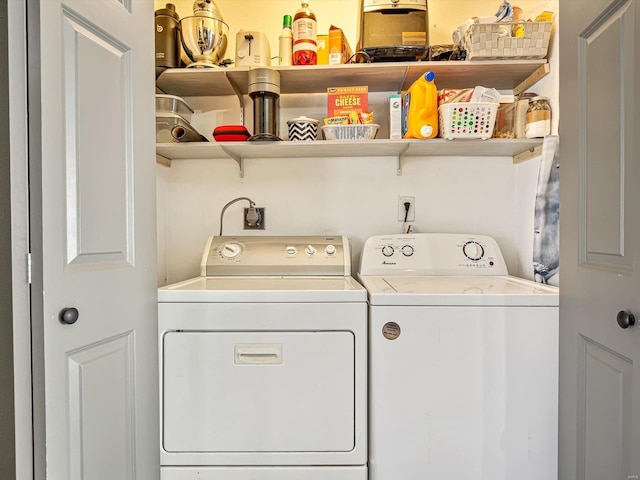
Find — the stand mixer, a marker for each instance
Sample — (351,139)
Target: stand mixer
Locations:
(204,35)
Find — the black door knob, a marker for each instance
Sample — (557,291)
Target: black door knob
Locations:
(625,319)
(69,315)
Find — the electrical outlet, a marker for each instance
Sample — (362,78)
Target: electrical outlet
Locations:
(250,223)
(411,215)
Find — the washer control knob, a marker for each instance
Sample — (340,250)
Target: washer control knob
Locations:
(330,250)
(407,250)
(387,250)
(231,250)
(473,250)
(291,250)
(310,250)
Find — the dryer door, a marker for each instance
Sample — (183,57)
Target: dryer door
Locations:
(258,391)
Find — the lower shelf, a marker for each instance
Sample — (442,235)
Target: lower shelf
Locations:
(520,150)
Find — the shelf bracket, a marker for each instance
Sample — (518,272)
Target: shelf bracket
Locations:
(237,158)
(239,95)
(527,155)
(401,156)
(164,161)
(539,73)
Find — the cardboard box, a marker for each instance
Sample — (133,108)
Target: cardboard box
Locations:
(346,100)
(395,116)
(323,49)
(339,50)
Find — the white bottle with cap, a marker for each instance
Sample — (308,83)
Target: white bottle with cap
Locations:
(286,41)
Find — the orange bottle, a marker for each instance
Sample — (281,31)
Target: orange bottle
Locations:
(420,108)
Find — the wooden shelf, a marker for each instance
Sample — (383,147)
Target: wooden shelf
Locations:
(516,75)
(518,150)
(379,77)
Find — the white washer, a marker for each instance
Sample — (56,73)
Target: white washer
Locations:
(463,362)
(263,363)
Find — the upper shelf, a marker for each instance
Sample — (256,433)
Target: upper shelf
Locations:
(516,75)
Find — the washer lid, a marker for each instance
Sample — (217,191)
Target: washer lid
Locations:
(458,290)
(259,289)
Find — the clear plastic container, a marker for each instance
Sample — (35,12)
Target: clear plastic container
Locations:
(505,121)
(170,104)
(538,122)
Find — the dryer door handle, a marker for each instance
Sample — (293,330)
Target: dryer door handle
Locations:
(257,353)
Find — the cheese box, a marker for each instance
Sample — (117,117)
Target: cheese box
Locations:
(339,49)
(346,100)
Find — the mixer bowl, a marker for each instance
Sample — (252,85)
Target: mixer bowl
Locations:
(204,40)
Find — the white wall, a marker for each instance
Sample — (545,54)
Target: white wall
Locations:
(357,197)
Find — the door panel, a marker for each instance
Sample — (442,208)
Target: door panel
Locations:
(600,239)
(606,380)
(102,385)
(97,168)
(99,161)
(605,82)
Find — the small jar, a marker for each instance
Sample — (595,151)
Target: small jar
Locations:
(538,122)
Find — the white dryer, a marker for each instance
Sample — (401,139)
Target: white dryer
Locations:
(463,362)
(263,363)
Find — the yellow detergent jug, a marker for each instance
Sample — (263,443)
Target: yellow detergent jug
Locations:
(420,108)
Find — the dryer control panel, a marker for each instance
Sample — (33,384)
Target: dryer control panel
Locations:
(432,254)
(276,255)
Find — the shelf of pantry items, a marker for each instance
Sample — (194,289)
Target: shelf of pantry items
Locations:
(519,150)
(516,75)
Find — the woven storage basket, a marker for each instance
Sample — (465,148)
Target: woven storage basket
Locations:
(467,120)
(483,42)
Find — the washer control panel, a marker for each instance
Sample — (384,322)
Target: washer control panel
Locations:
(276,255)
(432,254)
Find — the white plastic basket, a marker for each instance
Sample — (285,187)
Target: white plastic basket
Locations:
(467,120)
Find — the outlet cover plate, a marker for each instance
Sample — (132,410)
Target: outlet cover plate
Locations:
(411,217)
(259,225)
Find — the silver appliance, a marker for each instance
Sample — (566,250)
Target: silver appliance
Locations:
(264,90)
(394,30)
(204,35)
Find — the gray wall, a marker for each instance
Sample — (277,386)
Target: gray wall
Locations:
(7,418)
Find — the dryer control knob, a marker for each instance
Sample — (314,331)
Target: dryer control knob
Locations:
(291,250)
(473,250)
(330,250)
(310,250)
(387,250)
(231,250)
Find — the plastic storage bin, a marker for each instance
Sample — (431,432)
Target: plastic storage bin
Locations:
(350,132)
(167,122)
(467,120)
(170,104)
